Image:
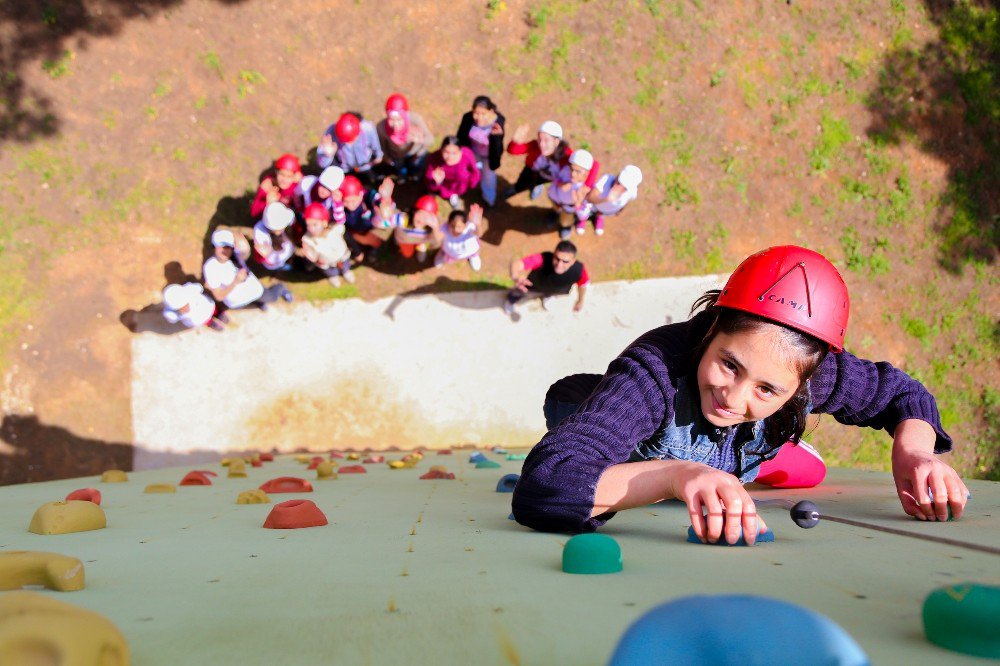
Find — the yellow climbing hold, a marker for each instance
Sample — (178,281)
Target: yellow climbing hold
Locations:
(114,476)
(67,517)
(19,568)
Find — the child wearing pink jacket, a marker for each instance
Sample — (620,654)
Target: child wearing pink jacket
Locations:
(452,171)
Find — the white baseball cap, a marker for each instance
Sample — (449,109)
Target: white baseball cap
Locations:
(175,296)
(277,216)
(552,128)
(582,158)
(223,238)
(332,177)
(630,177)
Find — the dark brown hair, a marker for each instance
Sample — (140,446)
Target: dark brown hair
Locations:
(789,422)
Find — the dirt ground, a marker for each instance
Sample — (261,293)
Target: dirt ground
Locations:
(130,130)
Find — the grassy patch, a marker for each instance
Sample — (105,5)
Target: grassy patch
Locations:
(864,257)
(59,67)
(833,136)
(678,190)
(247,82)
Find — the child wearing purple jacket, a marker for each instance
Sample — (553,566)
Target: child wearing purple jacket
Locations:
(692,410)
(452,171)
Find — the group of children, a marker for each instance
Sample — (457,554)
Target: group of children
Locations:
(331,221)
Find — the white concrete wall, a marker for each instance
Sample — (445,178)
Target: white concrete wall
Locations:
(433,370)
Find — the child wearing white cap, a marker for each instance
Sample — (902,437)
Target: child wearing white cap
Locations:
(324,189)
(569,191)
(612,194)
(273,248)
(544,157)
(230,282)
(187,304)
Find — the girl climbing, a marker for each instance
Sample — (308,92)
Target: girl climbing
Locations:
(694,410)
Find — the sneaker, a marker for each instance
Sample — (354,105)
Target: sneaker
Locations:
(581,228)
(599,225)
(565,233)
(537,191)
(262,306)
(349,277)
(215,326)
(508,307)
(287,295)
(455,201)
(223,317)
(546,302)
(475,262)
(334,280)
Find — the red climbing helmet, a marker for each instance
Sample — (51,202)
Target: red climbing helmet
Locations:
(792,286)
(316,210)
(396,102)
(348,128)
(351,187)
(427,203)
(288,162)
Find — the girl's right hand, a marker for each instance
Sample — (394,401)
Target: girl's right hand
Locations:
(326,145)
(522,134)
(718,504)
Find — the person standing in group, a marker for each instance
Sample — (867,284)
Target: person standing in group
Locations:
(568,194)
(324,247)
(452,172)
(548,274)
(611,194)
(364,213)
(460,238)
(229,280)
(278,185)
(405,139)
(544,157)
(352,144)
(482,131)
(187,304)
(272,243)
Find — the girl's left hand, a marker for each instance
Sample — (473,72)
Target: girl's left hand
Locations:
(916,472)
(496,129)
(475,213)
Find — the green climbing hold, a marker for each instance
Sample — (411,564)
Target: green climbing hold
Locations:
(592,554)
(964,618)
(487,464)
(516,456)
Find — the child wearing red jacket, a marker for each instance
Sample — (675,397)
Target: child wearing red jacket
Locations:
(277,184)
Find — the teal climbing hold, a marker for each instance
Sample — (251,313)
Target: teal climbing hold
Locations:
(487,464)
(964,618)
(516,456)
(592,554)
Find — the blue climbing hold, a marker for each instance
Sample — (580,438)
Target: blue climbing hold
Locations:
(762,537)
(507,483)
(476,457)
(698,630)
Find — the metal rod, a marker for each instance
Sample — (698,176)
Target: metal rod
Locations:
(916,535)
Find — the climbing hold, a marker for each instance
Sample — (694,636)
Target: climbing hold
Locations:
(372,460)
(476,457)
(507,483)
(267,457)
(255,496)
(516,456)
(697,630)
(287,484)
(397,464)
(964,618)
(353,456)
(37,629)
(499,450)
(114,476)
(225,462)
(353,469)
(336,454)
(197,479)
(315,461)
(86,495)
(325,470)
(206,472)
(19,568)
(294,514)
(487,464)
(67,517)
(591,554)
(255,461)
(154,488)
(444,452)
(237,469)
(762,537)
(437,474)
(302,459)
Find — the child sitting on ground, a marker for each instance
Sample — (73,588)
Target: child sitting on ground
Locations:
(277,185)
(568,193)
(229,280)
(610,195)
(419,231)
(187,304)
(691,410)
(324,246)
(451,172)
(548,274)
(481,130)
(460,238)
